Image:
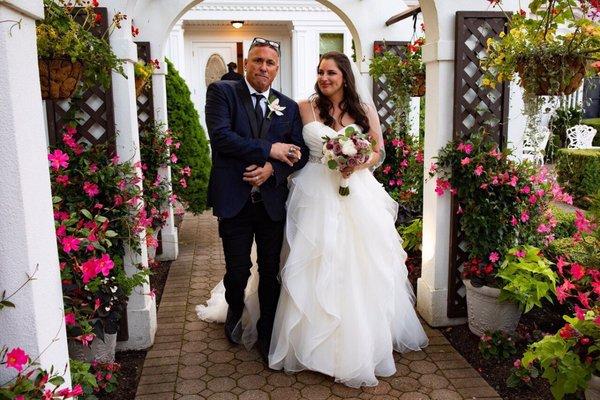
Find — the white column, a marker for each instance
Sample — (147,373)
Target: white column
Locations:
(299,65)
(170,241)
(27,239)
(175,48)
(141,308)
(432,286)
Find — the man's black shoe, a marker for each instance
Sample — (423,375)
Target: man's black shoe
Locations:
(231,322)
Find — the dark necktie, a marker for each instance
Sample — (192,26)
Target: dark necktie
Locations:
(258,111)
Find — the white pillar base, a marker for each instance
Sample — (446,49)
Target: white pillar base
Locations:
(432,305)
(170,244)
(142,327)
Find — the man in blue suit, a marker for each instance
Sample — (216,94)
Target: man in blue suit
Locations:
(256,140)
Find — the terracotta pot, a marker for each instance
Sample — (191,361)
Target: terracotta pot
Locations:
(486,313)
(593,390)
(59,77)
(418,89)
(98,350)
(544,84)
(140,83)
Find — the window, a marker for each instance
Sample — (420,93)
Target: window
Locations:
(331,42)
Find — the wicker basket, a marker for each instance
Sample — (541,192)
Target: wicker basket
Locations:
(542,74)
(59,77)
(418,89)
(140,84)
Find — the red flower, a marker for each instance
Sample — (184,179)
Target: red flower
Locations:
(567,332)
(97,18)
(95,3)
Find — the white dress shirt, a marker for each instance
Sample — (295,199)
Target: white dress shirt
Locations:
(265,94)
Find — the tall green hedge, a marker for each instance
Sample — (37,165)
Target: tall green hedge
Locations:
(194,151)
(594,123)
(579,172)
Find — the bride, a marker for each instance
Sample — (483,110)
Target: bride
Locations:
(346,303)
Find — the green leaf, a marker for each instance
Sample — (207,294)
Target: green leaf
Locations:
(332,164)
(87,214)
(110,233)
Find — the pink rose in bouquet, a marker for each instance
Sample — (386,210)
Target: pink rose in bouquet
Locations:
(350,149)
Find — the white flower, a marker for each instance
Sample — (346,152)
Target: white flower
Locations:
(274,107)
(348,148)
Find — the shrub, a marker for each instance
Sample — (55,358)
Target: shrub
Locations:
(577,251)
(562,119)
(594,123)
(565,222)
(412,234)
(497,345)
(185,122)
(578,170)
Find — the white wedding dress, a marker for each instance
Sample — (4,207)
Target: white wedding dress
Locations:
(346,302)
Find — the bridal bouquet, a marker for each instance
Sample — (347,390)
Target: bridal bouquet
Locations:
(350,149)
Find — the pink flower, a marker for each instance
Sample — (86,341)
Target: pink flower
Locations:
(392,182)
(514,221)
(89,269)
(173,158)
(70,243)
(115,160)
(399,182)
(517,363)
(562,293)
(86,339)
(478,170)
(524,216)
(520,253)
(584,299)
(513,181)
(93,168)
(494,256)
(183,183)
(496,154)
(404,163)
(433,167)
(468,148)
(151,241)
(188,171)
(577,271)
(16,358)
(396,142)
(70,319)
(465,161)
(386,170)
(543,228)
(580,313)
(583,225)
(526,190)
(91,189)
(58,159)
(532,199)
(104,265)
(177,145)
(561,263)
(61,231)
(441,186)
(62,180)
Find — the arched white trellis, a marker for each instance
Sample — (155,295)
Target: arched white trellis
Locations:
(27,234)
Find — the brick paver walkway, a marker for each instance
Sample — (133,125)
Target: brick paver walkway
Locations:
(192,359)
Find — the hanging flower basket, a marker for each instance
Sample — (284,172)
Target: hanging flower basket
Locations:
(551,75)
(59,77)
(418,88)
(140,83)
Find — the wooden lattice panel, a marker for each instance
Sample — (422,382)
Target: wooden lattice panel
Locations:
(381,92)
(475,107)
(93,110)
(145,101)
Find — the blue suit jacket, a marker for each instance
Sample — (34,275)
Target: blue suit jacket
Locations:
(236,144)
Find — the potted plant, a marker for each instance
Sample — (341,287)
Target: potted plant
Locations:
(501,205)
(404,74)
(143,74)
(569,359)
(97,212)
(69,52)
(556,33)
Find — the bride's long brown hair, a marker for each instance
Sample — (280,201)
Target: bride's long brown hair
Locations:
(350,103)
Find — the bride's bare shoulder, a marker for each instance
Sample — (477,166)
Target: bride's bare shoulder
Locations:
(306,112)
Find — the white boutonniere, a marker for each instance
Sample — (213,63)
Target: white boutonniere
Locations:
(274,107)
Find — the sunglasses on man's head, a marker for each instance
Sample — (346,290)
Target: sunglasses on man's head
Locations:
(262,41)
